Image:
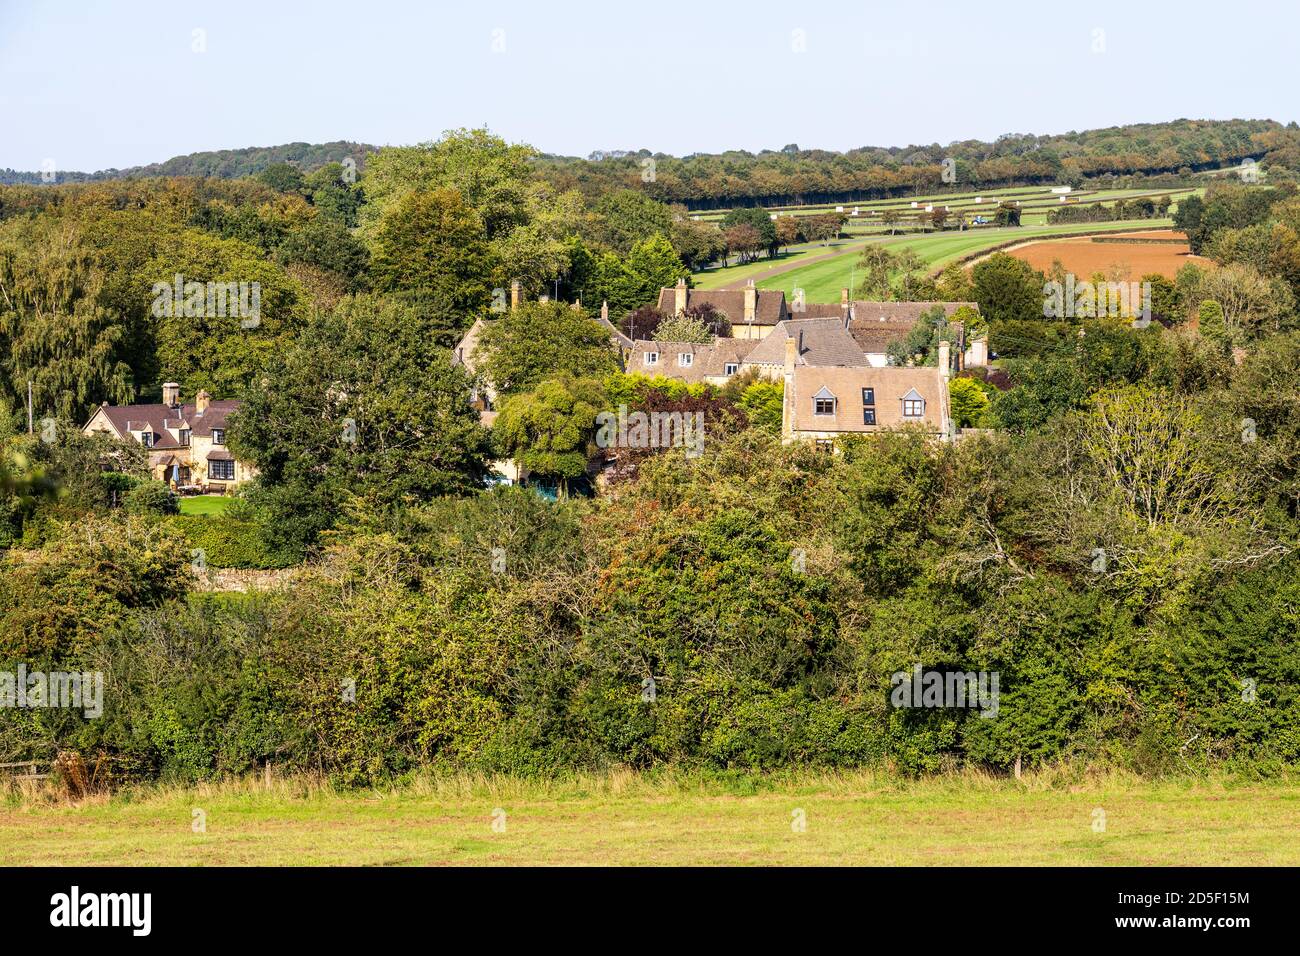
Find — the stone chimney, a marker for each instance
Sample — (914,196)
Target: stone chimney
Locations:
(844,298)
(202,401)
(945,359)
(679,297)
(171,394)
(514,294)
(791,354)
(751,301)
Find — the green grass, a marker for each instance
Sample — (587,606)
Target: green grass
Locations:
(822,281)
(626,818)
(205,504)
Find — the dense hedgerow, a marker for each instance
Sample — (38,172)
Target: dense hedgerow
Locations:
(769,593)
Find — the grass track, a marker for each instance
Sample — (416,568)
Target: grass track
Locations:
(629,819)
(822,281)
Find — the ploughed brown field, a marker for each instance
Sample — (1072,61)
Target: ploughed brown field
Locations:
(1118,261)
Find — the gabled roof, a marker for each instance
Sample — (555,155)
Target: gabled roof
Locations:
(155,418)
(823,342)
(877,325)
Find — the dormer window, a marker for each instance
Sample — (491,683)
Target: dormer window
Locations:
(913,405)
(730,368)
(146,439)
(824,402)
(185,437)
(218,436)
(685,359)
(652,358)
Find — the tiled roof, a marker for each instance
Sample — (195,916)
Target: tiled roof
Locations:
(877,325)
(707,361)
(155,418)
(770,307)
(818,310)
(822,341)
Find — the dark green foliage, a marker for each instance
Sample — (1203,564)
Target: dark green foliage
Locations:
(151,498)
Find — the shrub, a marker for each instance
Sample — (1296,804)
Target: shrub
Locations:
(230,542)
(151,497)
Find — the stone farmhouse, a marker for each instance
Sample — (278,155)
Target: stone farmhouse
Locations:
(186,442)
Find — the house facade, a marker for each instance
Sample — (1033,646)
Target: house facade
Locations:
(186,442)
(822,403)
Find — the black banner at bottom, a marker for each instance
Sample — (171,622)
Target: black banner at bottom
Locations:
(338,905)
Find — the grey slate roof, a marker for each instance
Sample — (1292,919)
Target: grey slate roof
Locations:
(822,342)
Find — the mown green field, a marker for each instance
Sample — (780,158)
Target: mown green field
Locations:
(860,819)
(822,281)
(205,504)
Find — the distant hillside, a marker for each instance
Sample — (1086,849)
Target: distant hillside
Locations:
(222,163)
(793,175)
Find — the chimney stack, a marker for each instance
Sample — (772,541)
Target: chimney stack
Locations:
(171,394)
(679,297)
(945,359)
(791,354)
(844,298)
(201,401)
(514,294)
(751,301)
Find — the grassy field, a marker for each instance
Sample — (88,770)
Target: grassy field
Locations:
(822,280)
(205,504)
(635,819)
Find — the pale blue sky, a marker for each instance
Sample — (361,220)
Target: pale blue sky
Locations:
(95,85)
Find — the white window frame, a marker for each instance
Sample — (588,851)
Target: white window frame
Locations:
(218,436)
(685,359)
(651,358)
(731,368)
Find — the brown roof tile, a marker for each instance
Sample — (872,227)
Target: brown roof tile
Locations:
(822,342)
(770,307)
